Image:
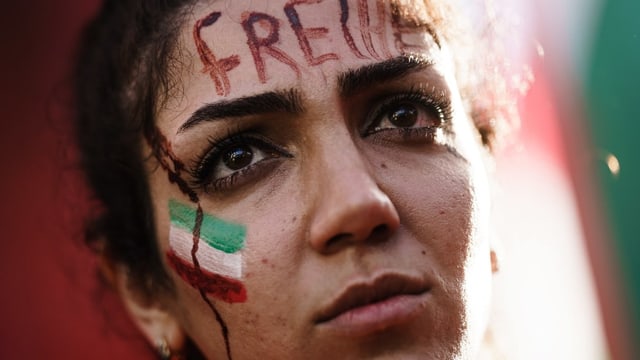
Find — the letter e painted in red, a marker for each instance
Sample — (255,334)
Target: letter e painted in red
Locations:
(344,19)
(366,28)
(305,34)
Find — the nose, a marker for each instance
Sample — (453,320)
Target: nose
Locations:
(350,207)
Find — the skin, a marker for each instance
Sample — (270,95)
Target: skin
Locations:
(341,207)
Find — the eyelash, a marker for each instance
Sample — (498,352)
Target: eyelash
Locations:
(203,169)
(430,100)
(205,164)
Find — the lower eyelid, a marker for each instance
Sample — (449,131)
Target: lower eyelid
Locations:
(406,136)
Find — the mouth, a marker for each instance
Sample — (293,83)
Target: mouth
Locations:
(366,307)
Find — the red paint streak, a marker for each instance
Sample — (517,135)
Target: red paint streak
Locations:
(161,148)
(365,28)
(217,69)
(196,236)
(305,34)
(162,151)
(217,286)
(398,28)
(258,45)
(344,18)
(381,29)
(220,320)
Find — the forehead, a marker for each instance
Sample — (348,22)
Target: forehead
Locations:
(238,48)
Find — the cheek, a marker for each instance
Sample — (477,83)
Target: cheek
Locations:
(273,246)
(271,260)
(268,268)
(440,206)
(436,205)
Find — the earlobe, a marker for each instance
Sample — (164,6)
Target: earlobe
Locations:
(161,329)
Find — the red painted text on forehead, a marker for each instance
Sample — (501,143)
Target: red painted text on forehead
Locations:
(362,26)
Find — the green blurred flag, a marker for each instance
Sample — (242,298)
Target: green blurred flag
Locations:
(612,92)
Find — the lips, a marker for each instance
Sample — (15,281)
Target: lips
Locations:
(372,305)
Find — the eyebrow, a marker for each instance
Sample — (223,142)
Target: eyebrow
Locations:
(288,101)
(353,81)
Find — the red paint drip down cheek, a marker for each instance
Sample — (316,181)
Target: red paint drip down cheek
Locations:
(220,287)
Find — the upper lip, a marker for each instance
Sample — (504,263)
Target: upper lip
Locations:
(365,292)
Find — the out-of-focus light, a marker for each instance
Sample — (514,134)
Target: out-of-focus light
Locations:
(539,49)
(613,164)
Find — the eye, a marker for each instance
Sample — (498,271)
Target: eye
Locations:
(236,160)
(412,115)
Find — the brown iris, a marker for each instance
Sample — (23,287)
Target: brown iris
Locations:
(404,116)
(238,157)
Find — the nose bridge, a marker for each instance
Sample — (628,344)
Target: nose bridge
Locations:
(349,205)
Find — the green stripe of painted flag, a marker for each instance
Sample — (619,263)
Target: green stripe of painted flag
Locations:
(219,234)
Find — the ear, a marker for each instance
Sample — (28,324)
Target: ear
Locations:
(161,328)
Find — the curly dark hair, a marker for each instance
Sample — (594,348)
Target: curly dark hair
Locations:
(121,68)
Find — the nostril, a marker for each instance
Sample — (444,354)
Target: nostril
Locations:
(378,234)
(381,229)
(336,240)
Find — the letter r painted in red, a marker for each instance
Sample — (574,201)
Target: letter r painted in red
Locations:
(266,44)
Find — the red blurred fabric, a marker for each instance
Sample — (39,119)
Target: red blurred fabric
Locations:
(51,304)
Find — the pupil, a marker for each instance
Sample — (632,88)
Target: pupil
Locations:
(404,116)
(238,157)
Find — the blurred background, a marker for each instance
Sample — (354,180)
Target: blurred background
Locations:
(567,199)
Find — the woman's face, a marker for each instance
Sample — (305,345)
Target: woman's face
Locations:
(343,197)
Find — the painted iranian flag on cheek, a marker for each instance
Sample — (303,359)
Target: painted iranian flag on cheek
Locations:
(205,252)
